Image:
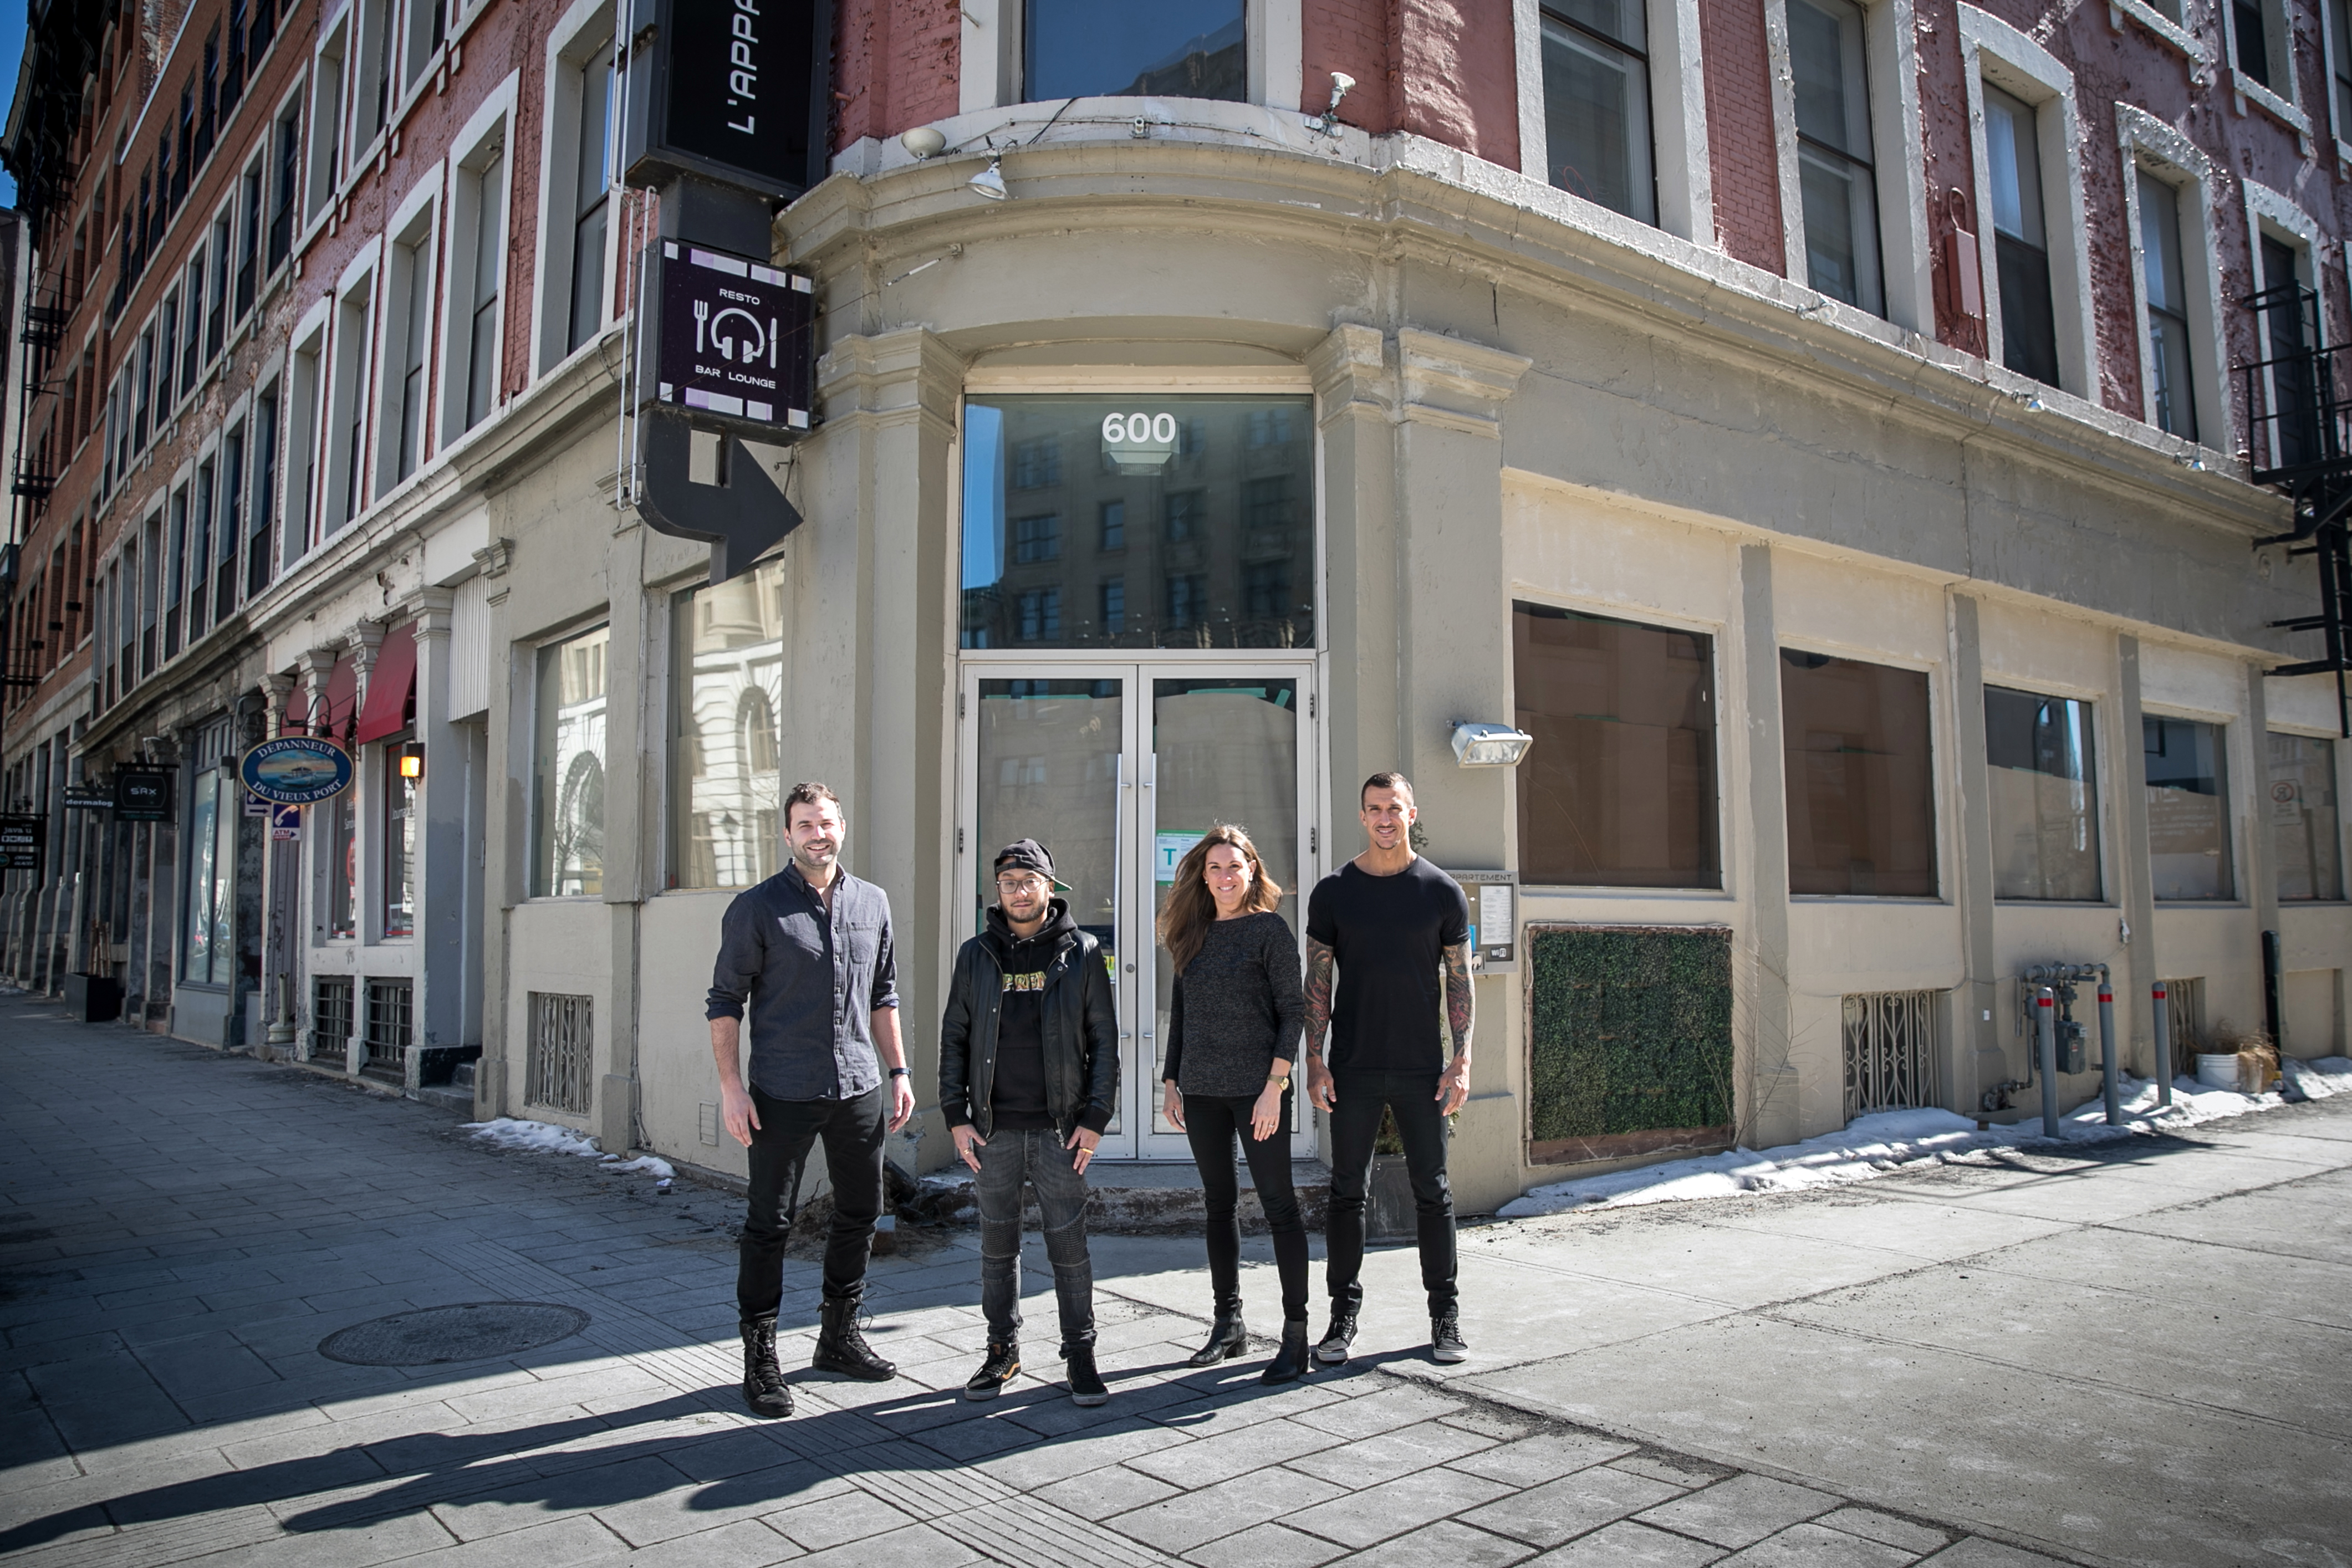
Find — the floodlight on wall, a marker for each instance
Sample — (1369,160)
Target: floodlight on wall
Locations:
(1489,744)
(412,760)
(2030,402)
(988,183)
(923,143)
(1328,123)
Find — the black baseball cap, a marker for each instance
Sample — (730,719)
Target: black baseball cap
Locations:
(1028,854)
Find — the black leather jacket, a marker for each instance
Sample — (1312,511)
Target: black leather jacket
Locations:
(1081,1028)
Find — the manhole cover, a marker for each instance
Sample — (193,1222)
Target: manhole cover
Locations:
(469,1331)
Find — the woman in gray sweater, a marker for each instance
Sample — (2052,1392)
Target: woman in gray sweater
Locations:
(1233,1024)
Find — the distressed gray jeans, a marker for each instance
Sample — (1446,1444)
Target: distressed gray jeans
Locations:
(1007,1160)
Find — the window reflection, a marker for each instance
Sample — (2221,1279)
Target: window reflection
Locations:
(2046,826)
(1176,49)
(567,782)
(726,746)
(1861,780)
(2187,809)
(2304,822)
(1203,522)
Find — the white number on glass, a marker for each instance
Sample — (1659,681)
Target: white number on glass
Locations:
(1139,429)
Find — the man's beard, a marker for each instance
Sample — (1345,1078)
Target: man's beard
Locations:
(807,862)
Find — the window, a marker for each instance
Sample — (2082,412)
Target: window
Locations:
(289,134)
(175,574)
(1890,1051)
(223,568)
(591,197)
(2045,820)
(478,247)
(2187,809)
(1861,780)
(302,429)
(1619,789)
(1178,48)
(2305,829)
(259,560)
(411,304)
(567,772)
(399,845)
(2339,87)
(1834,169)
(216,314)
(347,409)
(2029,329)
(2259,29)
(143,379)
(2171,389)
(1222,552)
(372,98)
(150,560)
(726,687)
(326,121)
(2287,316)
(167,351)
(232,521)
(1596,74)
(208,956)
(191,353)
(344,865)
(248,244)
(428,23)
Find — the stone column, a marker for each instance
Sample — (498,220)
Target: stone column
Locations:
(441,847)
(281,866)
(1973,1059)
(1771,1115)
(318,668)
(2135,890)
(2250,804)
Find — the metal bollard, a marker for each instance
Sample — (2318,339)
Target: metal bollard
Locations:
(2163,1050)
(2045,1013)
(2108,1067)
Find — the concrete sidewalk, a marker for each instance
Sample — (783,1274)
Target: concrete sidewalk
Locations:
(2137,1355)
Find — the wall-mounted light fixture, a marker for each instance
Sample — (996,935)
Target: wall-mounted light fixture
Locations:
(412,760)
(1489,744)
(923,143)
(988,182)
(1327,124)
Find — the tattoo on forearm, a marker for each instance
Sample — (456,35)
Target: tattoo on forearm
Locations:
(1458,1008)
(1318,998)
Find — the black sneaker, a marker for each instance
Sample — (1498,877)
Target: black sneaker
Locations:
(1002,1365)
(1332,1349)
(765,1392)
(1445,1339)
(1086,1384)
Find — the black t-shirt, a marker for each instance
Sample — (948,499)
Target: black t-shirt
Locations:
(1017,1096)
(1389,934)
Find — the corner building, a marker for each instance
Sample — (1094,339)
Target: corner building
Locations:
(1823,427)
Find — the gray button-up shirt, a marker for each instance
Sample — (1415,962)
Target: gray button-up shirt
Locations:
(813,981)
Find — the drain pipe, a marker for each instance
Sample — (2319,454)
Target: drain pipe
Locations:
(2046,1027)
(2162,1053)
(2271,990)
(2107,1050)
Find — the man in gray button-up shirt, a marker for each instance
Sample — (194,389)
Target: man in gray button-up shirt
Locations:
(809,951)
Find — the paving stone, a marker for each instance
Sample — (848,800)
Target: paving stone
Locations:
(1873,1525)
(1266,1546)
(746,1545)
(1494,1421)
(1024,1469)
(1531,1461)
(1810,1546)
(1205,1461)
(1447,1541)
(1976,1551)
(1629,1545)
(1195,1518)
(851,1515)
(1393,1507)
(1098,1494)
(1741,1511)
(1562,1510)
(1374,1459)
(916,1546)
(1380,1412)
(1672,1468)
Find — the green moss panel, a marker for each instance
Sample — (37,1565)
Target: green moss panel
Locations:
(1629,1029)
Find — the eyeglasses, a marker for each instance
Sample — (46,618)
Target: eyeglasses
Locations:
(1023,883)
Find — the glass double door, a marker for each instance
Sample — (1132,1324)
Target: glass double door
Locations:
(1117,770)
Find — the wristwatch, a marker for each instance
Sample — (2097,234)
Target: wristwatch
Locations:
(900,1073)
(1281,1083)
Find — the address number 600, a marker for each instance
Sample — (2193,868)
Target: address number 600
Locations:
(1139,429)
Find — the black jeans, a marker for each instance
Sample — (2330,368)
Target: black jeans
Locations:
(1040,1158)
(1211,1121)
(1355,1125)
(788,1129)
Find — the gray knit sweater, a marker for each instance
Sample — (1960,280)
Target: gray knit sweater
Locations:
(1237,1005)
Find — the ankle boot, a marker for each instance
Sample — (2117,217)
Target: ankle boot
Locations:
(1227,1337)
(1290,1363)
(764,1388)
(841,1346)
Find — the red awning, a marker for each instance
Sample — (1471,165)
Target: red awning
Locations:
(335,711)
(392,686)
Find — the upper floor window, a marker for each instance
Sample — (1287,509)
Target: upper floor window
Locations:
(2029,326)
(1835,170)
(478,249)
(2172,398)
(591,197)
(1178,48)
(2259,29)
(2339,86)
(288,149)
(1596,68)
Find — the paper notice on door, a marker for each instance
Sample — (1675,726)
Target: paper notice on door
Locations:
(1495,921)
(1168,849)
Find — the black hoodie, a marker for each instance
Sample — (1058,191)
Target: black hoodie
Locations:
(1017,1097)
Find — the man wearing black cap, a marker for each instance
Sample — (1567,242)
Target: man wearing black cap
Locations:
(1028,1077)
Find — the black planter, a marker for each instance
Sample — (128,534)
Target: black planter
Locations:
(93,998)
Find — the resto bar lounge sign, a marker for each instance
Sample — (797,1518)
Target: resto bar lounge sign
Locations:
(731,91)
(734,339)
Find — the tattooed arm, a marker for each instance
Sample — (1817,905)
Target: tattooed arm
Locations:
(1453,1084)
(1319,1090)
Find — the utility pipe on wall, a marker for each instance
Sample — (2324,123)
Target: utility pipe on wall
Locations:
(2163,1051)
(2045,1015)
(2107,1066)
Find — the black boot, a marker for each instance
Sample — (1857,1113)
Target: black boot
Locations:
(1087,1386)
(1291,1362)
(1227,1337)
(1002,1365)
(841,1346)
(764,1388)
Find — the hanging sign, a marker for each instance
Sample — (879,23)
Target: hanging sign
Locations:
(23,837)
(297,769)
(733,90)
(734,340)
(143,795)
(89,798)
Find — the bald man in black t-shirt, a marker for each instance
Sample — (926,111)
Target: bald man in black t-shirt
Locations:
(1397,929)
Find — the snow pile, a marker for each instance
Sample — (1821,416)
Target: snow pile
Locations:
(2317,1080)
(1890,1140)
(546,1138)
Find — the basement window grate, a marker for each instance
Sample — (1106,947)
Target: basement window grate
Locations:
(1890,1051)
(562,1050)
(391,1015)
(330,1018)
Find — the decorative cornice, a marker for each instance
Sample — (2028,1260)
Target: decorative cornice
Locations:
(1456,383)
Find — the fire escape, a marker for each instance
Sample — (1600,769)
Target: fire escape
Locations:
(2297,411)
(24,640)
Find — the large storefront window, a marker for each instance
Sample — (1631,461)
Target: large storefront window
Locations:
(1862,783)
(2046,826)
(399,846)
(1176,49)
(2187,809)
(1619,789)
(727,690)
(343,865)
(208,958)
(2303,824)
(1139,521)
(568,769)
